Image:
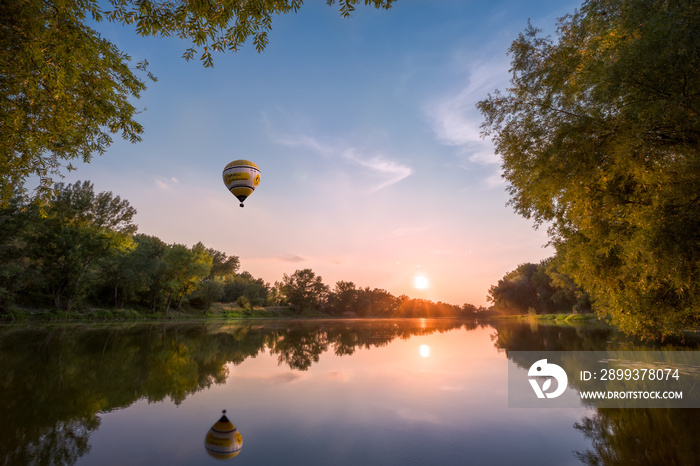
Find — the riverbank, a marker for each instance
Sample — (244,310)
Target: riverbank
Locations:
(558,318)
(217,311)
(232,311)
(222,312)
(590,320)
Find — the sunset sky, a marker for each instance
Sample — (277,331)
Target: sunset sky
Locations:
(367,136)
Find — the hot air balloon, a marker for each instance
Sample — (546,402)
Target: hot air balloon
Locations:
(223,441)
(241,177)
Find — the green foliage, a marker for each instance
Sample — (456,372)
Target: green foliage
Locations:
(65,90)
(79,229)
(344,299)
(349,301)
(244,284)
(80,246)
(600,138)
(304,290)
(147,261)
(222,265)
(538,289)
(126,274)
(207,293)
(243,302)
(18,271)
(214,26)
(377,302)
(184,269)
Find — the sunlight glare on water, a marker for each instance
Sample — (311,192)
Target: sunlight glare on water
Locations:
(424,351)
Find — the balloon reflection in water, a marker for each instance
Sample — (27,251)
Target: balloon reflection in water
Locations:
(223,441)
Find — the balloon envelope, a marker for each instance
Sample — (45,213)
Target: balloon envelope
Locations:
(241,177)
(223,441)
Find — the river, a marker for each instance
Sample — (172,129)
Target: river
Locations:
(314,392)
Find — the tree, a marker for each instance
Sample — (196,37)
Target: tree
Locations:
(214,26)
(599,136)
(148,262)
(184,269)
(133,275)
(376,302)
(515,293)
(343,299)
(304,290)
(539,288)
(80,228)
(66,90)
(207,293)
(19,271)
(255,290)
(222,265)
(276,295)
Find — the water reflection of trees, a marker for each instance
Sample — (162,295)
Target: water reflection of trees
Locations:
(524,337)
(300,344)
(619,437)
(56,380)
(623,437)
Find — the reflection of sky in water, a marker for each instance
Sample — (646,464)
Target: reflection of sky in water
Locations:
(384,405)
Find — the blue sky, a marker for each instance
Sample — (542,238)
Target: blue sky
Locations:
(366,133)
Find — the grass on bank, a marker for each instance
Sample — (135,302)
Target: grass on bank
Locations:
(232,311)
(217,311)
(228,311)
(553,318)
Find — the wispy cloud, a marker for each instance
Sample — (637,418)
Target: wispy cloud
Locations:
(388,170)
(165,184)
(300,140)
(162,185)
(456,121)
(289,258)
(281,257)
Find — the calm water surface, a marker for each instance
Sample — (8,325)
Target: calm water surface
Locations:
(378,392)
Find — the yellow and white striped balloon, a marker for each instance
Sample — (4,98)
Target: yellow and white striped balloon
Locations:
(241,177)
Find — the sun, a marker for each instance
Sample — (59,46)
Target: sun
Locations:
(421,282)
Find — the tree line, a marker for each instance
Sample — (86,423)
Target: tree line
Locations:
(305,291)
(80,249)
(538,289)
